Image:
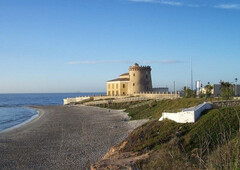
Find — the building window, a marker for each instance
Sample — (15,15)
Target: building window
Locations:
(124,93)
(112,93)
(133,84)
(109,93)
(133,74)
(116,86)
(147,87)
(123,85)
(112,86)
(116,93)
(109,86)
(146,76)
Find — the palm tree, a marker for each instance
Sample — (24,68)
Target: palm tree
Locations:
(226,90)
(208,89)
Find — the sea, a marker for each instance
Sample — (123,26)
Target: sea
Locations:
(14,110)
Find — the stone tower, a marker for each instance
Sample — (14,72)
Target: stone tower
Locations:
(139,79)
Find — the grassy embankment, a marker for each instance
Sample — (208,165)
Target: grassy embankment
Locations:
(213,142)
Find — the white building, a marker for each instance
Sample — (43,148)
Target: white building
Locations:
(216,91)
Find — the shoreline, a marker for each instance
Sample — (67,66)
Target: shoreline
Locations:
(64,137)
(27,122)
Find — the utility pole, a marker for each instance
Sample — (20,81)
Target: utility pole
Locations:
(236,86)
(186,87)
(174,87)
(191,78)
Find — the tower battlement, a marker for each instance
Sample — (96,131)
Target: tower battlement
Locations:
(139,79)
(136,67)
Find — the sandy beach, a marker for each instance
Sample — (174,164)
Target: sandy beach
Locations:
(63,137)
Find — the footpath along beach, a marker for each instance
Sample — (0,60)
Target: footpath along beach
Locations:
(64,137)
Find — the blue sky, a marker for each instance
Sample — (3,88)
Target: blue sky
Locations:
(77,45)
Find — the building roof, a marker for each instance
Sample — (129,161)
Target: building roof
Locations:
(119,79)
(125,74)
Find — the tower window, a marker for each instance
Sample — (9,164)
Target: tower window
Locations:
(123,85)
(133,84)
(133,74)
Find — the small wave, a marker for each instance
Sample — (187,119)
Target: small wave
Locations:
(18,124)
(12,105)
(17,119)
(7,121)
(26,104)
(5,105)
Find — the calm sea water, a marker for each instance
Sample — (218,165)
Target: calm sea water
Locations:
(14,111)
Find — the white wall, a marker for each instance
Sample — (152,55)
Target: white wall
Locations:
(198,111)
(180,117)
(189,115)
(74,100)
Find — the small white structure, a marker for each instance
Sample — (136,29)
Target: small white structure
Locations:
(189,115)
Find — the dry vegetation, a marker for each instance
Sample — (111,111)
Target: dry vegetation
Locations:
(211,143)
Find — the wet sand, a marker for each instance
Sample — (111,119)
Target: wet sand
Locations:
(63,137)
